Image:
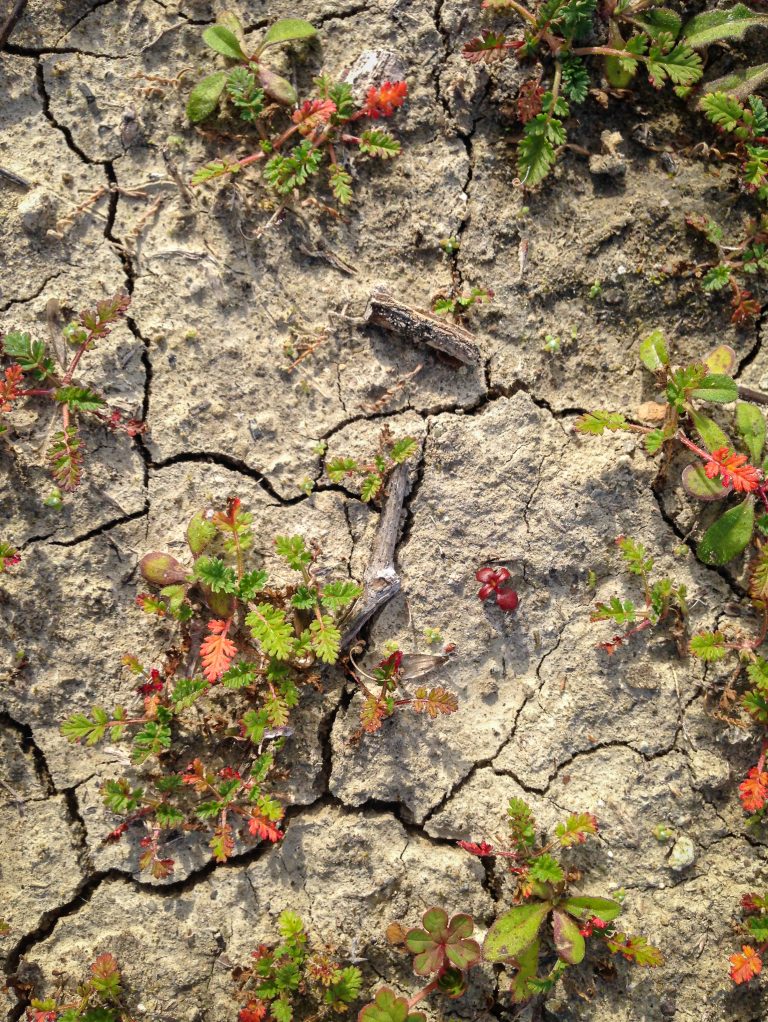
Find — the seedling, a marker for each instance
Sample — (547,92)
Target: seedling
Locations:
(748,963)
(326,121)
(458,305)
(245,647)
(627,34)
(384,693)
(9,556)
(372,475)
(630,34)
(520,937)
(665,600)
(719,470)
(291,975)
(443,952)
(33,374)
(98,999)
(735,263)
(494,582)
(747,123)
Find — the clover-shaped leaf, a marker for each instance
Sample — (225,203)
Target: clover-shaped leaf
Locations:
(442,942)
(388,1007)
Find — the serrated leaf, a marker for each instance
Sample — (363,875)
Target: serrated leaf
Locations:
(708,646)
(205,96)
(717,387)
(729,535)
(269,626)
(711,434)
(598,421)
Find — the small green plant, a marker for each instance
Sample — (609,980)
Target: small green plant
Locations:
(748,260)
(292,978)
(383,691)
(98,999)
(33,374)
(458,305)
(373,474)
(326,122)
(233,674)
(629,33)
(665,601)
(432,636)
(747,123)
(519,937)
(443,953)
(719,469)
(9,556)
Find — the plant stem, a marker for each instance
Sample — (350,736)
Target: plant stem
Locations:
(422,993)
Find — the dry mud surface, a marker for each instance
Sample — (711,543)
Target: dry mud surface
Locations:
(503,479)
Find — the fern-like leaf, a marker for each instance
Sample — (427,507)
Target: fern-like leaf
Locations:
(65,456)
(217,651)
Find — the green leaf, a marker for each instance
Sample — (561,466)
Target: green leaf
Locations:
(304,598)
(79,399)
(284,173)
(245,94)
(205,96)
(751,425)
(729,535)
(403,449)
(717,387)
(697,484)
(380,143)
(214,573)
(545,869)
(29,354)
(370,486)
(338,468)
(287,29)
(715,26)
(388,1007)
(569,943)
(514,930)
(708,646)
(225,42)
(710,432)
(536,151)
(739,84)
(653,351)
(597,422)
(151,740)
(120,797)
(635,556)
(326,639)
(527,963)
(186,691)
(340,594)
(251,583)
(680,65)
(583,907)
(294,551)
(341,184)
(716,278)
(659,19)
(623,613)
(269,626)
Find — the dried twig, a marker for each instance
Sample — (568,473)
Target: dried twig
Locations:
(380,581)
(377,406)
(748,394)
(422,327)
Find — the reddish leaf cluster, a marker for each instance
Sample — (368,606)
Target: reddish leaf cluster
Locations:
(216,650)
(155,683)
(313,113)
(254,1011)
(262,828)
(595,923)
(384,100)
(745,307)
(494,581)
(483,848)
(745,966)
(10,387)
(529,100)
(733,469)
(753,791)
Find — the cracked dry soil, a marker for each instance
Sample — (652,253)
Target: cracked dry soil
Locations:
(503,479)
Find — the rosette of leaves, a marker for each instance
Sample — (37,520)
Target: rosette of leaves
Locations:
(664,599)
(736,264)
(233,675)
(371,475)
(390,674)
(9,556)
(324,122)
(549,916)
(720,470)
(98,999)
(34,375)
(292,975)
(443,952)
(251,84)
(629,35)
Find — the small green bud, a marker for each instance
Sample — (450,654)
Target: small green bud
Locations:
(162,569)
(662,833)
(55,499)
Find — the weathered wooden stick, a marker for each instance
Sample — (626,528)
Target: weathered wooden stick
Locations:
(748,394)
(380,581)
(10,21)
(422,327)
